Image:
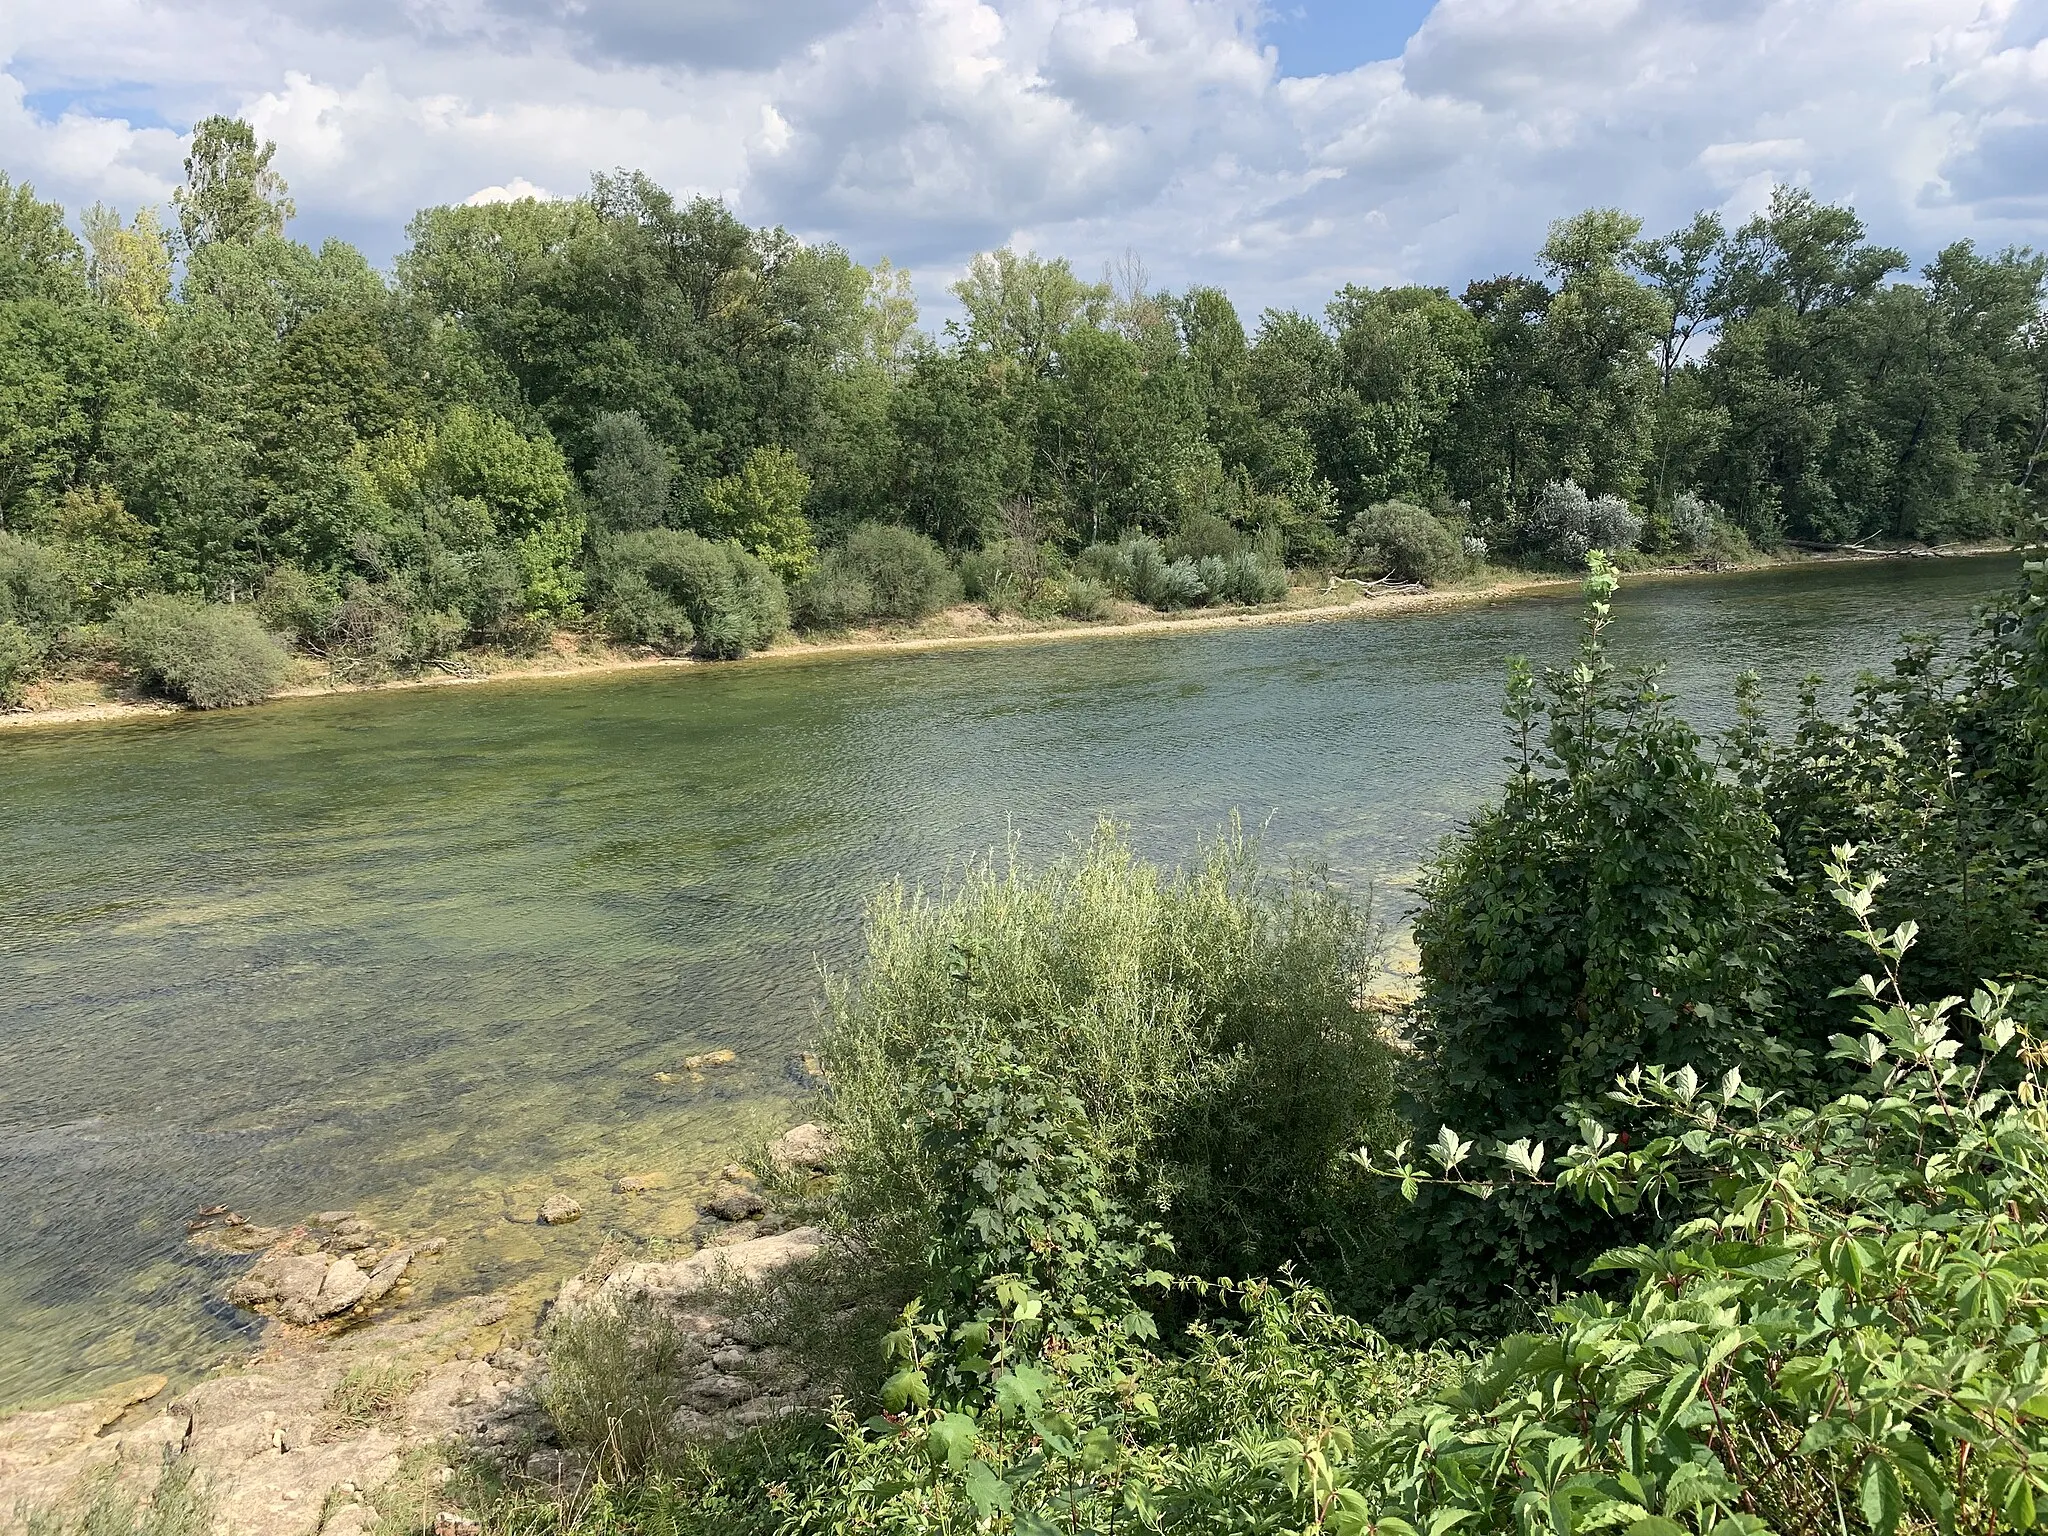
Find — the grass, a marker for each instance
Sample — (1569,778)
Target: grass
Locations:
(177,1505)
(370,1392)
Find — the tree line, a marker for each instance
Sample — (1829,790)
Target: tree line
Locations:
(545,406)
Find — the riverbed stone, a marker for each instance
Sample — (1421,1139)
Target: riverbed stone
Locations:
(705,1060)
(341,1287)
(803,1148)
(559,1210)
(732,1202)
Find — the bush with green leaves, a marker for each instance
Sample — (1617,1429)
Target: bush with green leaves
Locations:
(37,604)
(614,1380)
(207,655)
(1619,904)
(630,478)
(881,571)
(1080,597)
(1205,1019)
(301,604)
(21,661)
(37,587)
(1939,773)
(674,591)
(1844,1337)
(1140,569)
(1401,540)
(1693,520)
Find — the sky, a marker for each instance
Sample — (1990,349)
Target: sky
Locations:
(1279,148)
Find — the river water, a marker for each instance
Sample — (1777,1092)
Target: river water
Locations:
(423,953)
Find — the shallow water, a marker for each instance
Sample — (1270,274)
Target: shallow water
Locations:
(423,953)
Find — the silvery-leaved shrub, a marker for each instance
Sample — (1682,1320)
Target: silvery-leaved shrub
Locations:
(1692,521)
(1565,524)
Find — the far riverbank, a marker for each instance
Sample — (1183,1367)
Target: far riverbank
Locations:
(104,697)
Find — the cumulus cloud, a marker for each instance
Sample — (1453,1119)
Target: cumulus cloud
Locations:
(926,129)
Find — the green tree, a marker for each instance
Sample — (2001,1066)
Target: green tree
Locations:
(231,193)
(129,269)
(1686,271)
(762,508)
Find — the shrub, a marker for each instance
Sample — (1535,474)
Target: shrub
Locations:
(1565,525)
(21,660)
(1008,572)
(300,604)
(1692,521)
(833,596)
(762,508)
(629,476)
(615,1376)
(1204,1020)
(1845,1325)
(1205,535)
(1401,540)
(670,589)
(36,586)
(882,571)
(103,544)
(1080,597)
(208,656)
(1618,905)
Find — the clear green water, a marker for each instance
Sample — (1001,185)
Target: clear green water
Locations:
(423,953)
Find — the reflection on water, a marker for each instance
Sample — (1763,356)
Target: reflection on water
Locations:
(424,952)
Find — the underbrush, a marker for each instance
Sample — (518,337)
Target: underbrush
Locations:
(1099,1259)
(176,1505)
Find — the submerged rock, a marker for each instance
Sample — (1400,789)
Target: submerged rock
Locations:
(708,1059)
(638,1183)
(733,1202)
(559,1211)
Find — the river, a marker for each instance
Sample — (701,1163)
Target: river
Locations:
(425,952)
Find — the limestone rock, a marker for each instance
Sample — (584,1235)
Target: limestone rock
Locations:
(386,1275)
(559,1211)
(676,1280)
(705,1060)
(733,1202)
(804,1148)
(350,1520)
(638,1183)
(341,1287)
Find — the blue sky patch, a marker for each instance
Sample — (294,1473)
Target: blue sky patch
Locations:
(1325,37)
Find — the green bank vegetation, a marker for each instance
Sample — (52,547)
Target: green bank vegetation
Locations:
(638,421)
(1703,1188)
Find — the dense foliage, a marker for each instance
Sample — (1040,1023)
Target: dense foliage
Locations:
(1193,1036)
(450,452)
(1787,1276)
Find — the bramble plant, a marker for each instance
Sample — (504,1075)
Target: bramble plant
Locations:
(1849,1335)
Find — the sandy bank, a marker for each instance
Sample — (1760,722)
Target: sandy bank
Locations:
(963,625)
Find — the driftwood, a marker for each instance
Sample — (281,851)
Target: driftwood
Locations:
(1917,552)
(1372,589)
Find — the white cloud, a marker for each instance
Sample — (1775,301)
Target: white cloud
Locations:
(925,129)
(519,190)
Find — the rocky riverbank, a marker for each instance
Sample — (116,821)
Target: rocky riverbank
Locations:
(358,1413)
